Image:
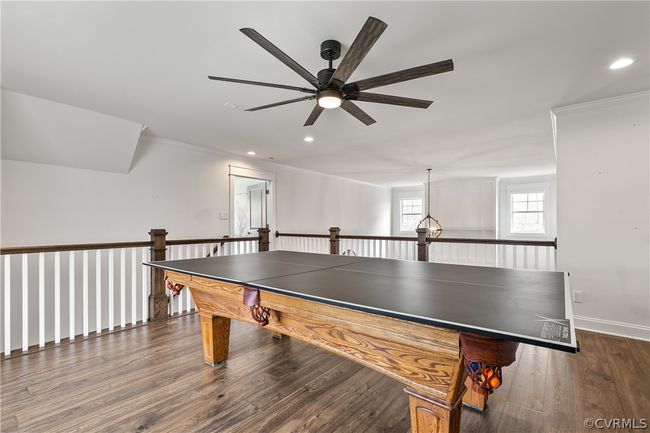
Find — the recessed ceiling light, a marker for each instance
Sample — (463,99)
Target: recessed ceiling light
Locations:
(308,139)
(250,152)
(621,63)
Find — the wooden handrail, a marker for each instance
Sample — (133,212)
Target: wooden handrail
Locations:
(301,235)
(491,241)
(72,247)
(494,241)
(114,245)
(211,241)
(379,238)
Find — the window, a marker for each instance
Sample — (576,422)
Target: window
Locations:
(527,212)
(410,214)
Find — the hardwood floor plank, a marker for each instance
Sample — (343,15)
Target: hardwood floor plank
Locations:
(596,393)
(559,393)
(529,381)
(631,380)
(519,419)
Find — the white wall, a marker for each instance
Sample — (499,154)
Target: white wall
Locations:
(175,186)
(465,207)
(603,210)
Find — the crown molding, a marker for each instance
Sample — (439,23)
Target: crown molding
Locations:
(599,102)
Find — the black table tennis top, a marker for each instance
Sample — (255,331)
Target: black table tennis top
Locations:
(531,307)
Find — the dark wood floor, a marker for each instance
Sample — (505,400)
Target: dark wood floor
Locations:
(153,379)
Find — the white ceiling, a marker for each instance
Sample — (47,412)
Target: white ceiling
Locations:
(148,62)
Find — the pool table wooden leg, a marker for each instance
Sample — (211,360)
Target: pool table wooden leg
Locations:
(474,399)
(432,415)
(215,334)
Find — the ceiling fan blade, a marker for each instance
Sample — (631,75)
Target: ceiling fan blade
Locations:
(277,104)
(259,83)
(368,35)
(280,55)
(314,115)
(399,76)
(357,112)
(392,100)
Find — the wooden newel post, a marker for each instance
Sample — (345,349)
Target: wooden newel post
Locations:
(423,250)
(158,298)
(335,242)
(264,239)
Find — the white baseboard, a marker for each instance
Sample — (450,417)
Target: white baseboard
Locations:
(619,329)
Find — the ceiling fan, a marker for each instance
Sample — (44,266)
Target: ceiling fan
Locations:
(330,87)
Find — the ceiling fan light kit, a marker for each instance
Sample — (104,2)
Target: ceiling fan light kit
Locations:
(330,87)
(329,98)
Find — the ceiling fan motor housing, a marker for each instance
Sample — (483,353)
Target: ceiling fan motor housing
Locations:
(324,75)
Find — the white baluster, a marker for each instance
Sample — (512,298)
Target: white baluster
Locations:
(536,256)
(145,287)
(7,305)
(554,261)
(170,303)
(179,298)
(25,301)
(71,297)
(514,256)
(134,285)
(525,248)
(85,293)
(204,252)
(111,290)
(188,298)
(57,297)
(41,300)
(122,287)
(548,259)
(98,291)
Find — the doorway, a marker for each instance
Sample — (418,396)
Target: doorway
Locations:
(251,201)
(250,206)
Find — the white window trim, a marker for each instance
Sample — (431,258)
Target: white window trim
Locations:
(397,209)
(527,187)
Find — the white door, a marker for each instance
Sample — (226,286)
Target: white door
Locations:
(250,206)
